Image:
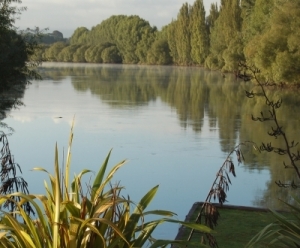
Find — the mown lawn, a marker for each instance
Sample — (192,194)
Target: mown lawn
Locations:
(235,226)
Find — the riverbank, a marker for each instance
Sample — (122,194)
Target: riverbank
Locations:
(236,225)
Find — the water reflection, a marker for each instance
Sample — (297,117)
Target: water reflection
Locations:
(9,99)
(192,92)
(195,93)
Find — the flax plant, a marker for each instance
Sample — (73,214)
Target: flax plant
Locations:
(68,219)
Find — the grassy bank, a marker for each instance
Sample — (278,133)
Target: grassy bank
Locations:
(236,226)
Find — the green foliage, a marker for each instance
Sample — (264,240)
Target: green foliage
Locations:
(212,62)
(178,34)
(67,218)
(79,54)
(51,53)
(111,54)
(13,58)
(108,51)
(275,49)
(256,14)
(233,54)
(224,36)
(8,12)
(106,31)
(134,39)
(121,38)
(144,45)
(131,36)
(79,36)
(171,30)
(182,36)
(244,223)
(17,60)
(247,15)
(259,32)
(93,54)
(199,33)
(67,53)
(51,38)
(16,49)
(212,17)
(284,232)
(159,53)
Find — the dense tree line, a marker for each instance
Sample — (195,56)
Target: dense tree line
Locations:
(259,32)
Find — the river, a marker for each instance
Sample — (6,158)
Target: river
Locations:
(174,125)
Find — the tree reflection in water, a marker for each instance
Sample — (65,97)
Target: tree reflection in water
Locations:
(195,94)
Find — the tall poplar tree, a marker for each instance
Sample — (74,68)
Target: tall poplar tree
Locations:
(247,11)
(212,17)
(211,60)
(226,40)
(182,35)
(254,27)
(171,31)
(257,14)
(198,33)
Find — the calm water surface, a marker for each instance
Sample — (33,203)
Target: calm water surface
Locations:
(174,125)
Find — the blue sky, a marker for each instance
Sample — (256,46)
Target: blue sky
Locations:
(67,15)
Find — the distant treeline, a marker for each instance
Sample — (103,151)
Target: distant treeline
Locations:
(50,38)
(263,33)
